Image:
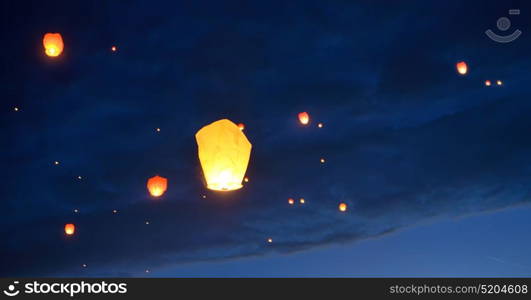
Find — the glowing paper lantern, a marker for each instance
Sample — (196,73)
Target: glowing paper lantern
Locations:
(157,185)
(291,201)
(342,207)
(53,44)
(487,82)
(70,229)
(241,126)
(302,201)
(462,68)
(224,153)
(499,82)
(304,118)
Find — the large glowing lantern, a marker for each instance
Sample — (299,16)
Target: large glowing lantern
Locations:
(304,118)
(53,44)
(157,185)
(70,229)
(224,153)
(462,68)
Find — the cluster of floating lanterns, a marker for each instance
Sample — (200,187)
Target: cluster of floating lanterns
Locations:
(462,69)
(223,148)
(53,44)
(489,83)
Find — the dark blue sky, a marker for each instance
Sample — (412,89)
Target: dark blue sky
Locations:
(406,139)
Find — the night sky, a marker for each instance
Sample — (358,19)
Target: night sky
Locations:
(435,166)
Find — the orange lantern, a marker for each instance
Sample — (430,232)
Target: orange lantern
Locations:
(462,68)
(70,229)
(291,201)
(241,126)
(342,207)
(53,44)
(157,185)
(487,82)
(304,118)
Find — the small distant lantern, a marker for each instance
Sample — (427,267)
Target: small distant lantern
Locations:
(70,229)
(53,44)
(462,67)
(157,185)
(304,118)
(342,207)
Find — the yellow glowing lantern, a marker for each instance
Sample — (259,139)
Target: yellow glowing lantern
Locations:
(462,68)
(157,185)
(70,229)
(342,207)
(302,201)
(53,44)
(499,82)
(304,118)
(224,153)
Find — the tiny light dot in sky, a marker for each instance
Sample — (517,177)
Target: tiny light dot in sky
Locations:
(84,265)
(76,210)
(204,196)
(56,163)
(158,129)
(302,201)
(114,211)
(269,240)
(15,108)
(113,49)
(487,82)
(246,179)
(320,125)
(499,82)
(79,177)
(291,201)
(147,222)
(147,271)
(322,160)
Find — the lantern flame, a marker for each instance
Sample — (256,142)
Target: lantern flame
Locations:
(224,153)
(304,118)
(70,229)
(157,186)
(462,67)
(53,44)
